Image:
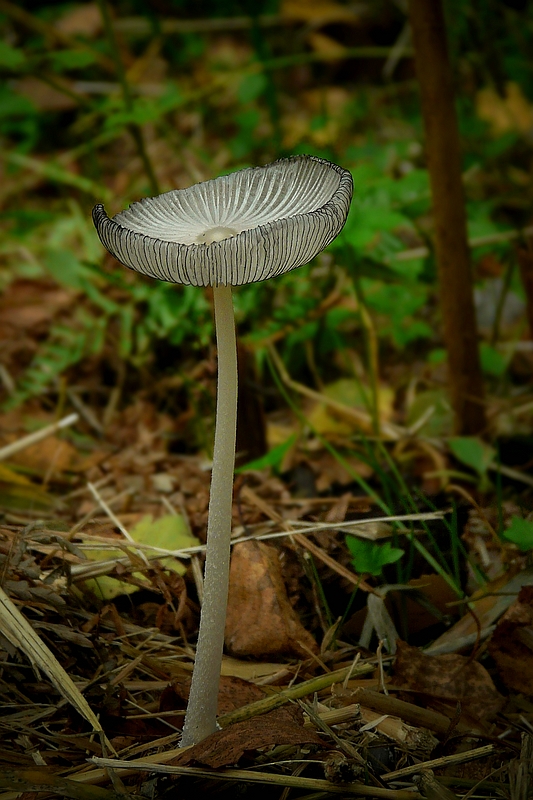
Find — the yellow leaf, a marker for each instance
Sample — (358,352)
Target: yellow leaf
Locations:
(511,113)
(17,492)
(8,475)
(353,394)
(323,12)
(326,46)
(430,413)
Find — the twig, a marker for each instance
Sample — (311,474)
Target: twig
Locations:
(139,26)
(361,418)
(85,412)
(343,744)
(115,520)
(309,687)
(33,438)
(514,474)
(295,528)
(349,675)
(134,128)
(311,547)
(379,653)
(316,784)
(474,241)
(54,171)
(415,715)
(457,758)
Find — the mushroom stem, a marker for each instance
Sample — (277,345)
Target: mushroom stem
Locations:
(200,720)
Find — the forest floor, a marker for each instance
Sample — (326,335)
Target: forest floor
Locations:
(379,637)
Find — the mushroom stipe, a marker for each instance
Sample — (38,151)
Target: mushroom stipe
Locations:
(241,228)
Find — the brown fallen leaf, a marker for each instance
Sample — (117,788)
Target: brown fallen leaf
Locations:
(260,619)
(232,693)
(281,726)
(49,457)
(84,19)
(450,678)
(511,645)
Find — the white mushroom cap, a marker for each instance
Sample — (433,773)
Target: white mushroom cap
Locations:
(247,226)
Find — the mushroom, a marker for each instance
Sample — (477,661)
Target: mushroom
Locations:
(247,226)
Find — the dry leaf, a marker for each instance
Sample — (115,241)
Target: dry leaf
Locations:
(326,45)
(85,19)
(49,457)
(318,13)
(352,394)
(260,619)
(511,645)
(489,603)
(281,726)
(330,471)
(451,678)
(510,113)
(45,97)
(437,591)
(233,693)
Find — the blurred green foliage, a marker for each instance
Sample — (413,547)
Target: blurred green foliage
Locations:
(203,102)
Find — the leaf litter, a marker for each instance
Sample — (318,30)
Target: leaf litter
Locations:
(130,664)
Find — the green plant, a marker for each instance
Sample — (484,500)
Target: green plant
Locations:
(371,557)
(520,533)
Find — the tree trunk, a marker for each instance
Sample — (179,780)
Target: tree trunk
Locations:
(451,243)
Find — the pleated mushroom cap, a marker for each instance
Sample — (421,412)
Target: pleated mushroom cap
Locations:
(244,227)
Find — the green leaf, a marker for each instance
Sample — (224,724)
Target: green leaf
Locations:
(520,532)
(10,57)
(72,59)
(437,356)
(168,533)
(251,87)
(370,557)
(64,347)
(362,266)
(492,361)
(367,223)
(273,459)
(66,268)
(433,407)
(473,452)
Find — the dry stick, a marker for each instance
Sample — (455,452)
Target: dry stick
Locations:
(115,520)
(421,717)
(361,418)
(313,784)
(139,26)
(33,438)
(309,687)
(134,128)
(475,241)
(313,548)
(436,763)
(55,171)
(451,244)
(343,744)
